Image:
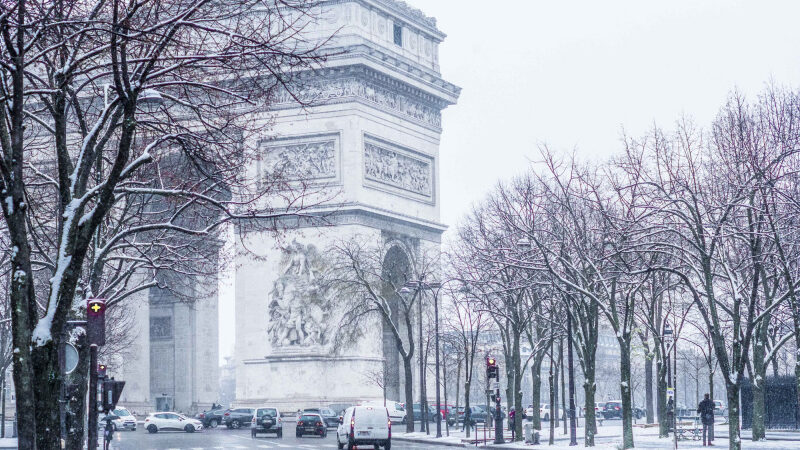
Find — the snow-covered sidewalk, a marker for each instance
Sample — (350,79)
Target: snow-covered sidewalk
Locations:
(609,436)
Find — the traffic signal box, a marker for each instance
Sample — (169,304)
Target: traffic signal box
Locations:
(111,393)
(96,321)
(491,369)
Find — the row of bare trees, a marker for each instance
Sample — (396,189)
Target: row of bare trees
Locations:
(692,229)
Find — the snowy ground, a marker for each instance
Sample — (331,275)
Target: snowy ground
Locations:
(609,436)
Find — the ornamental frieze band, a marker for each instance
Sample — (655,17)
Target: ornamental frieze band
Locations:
(327,90)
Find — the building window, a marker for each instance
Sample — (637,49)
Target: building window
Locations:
(161,327)
(398,35)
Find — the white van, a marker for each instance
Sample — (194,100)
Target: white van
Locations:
(364,425)
(397,410)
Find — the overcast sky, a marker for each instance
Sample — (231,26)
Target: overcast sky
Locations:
(572,74)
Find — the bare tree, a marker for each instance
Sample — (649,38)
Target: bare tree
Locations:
(214,65)
(372,279)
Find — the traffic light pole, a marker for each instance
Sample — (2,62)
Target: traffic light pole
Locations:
(498,420)
(92,444)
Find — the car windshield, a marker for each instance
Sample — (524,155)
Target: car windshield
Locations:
(327,412)
(267,412)
(121,412)
(309,418)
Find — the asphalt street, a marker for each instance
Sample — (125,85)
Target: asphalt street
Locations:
(223,438)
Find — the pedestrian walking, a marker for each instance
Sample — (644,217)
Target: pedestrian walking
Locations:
(706,411)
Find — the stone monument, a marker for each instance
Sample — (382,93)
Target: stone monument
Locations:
(370,141)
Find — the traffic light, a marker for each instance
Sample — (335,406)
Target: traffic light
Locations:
(491,368)
(101,371)
(96,321)
(111,393)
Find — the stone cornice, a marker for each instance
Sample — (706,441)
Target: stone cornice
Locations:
(400,65)
(403,11)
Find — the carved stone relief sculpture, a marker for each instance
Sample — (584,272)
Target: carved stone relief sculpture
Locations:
(299,306)
(397,169)
(302,161)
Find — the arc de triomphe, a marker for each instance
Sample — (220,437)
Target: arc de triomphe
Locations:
(372,135)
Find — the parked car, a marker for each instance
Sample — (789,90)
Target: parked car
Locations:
(364,425)
(456,415)
(418,412)
(544,412)
(311,423)
(236,418)
(171,421)
(477,414)
(444,410)
(331,418)
(339,408)
(613,409)
(396,410)
(267,420)
(719,408)
(211,418)
(123,420)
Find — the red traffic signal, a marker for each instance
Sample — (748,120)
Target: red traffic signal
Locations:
(96,321)
(491,368)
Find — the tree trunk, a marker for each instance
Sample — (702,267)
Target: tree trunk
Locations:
(563,386)
(467,410)
(47,379)
(648,388)
(625,391)
(536,393)
(735,441)
(589,388)
(553,400)
(517,390)
(758,382)
(661,399)
(409,387)
(555,412)
(76,406)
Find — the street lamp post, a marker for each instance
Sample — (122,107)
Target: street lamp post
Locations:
(672,377)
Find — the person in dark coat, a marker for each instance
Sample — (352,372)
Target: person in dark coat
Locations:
(706,411)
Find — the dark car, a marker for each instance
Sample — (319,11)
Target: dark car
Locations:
(418,413)
(211,418)
(477,414)
(236,418)
(328,415)
(309,423)
(266,420)
(612,410)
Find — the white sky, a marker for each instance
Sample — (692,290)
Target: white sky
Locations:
(572,74)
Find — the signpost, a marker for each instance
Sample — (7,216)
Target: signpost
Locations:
(96,334)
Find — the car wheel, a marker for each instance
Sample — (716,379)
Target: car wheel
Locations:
(152,429)
(213,423)
(236,424)
(376,447)
(133,429)
(188,429)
